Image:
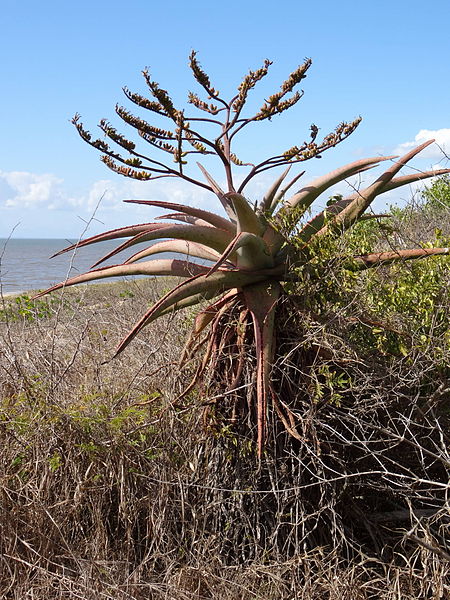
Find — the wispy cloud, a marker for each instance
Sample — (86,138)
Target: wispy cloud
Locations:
(22,190)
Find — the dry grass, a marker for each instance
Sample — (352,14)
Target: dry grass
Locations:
(110,489)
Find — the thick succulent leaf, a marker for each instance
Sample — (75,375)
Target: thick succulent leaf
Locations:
(204,318)
(393,184)
(247,219)
(316,224)
(366,261)
(114,234)
(186,303)
(280,196)
(412,178)
(364,198)
(214,238)
(372,217)
(206,215)
(303,199)
(218,283)
(180,246)
(215,186)
(184,219)
(273,239)
(266,202)
(229,251)
(219,193)
(296,206)
(251,251)
(261,300)
(178,268)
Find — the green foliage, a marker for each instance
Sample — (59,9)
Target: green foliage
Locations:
(328,385)
(415,297)
(23,307)
(94,414)
(365,236)
(55,461)
(404,305)
(437,196)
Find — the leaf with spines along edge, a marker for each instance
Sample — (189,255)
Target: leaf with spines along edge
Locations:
(217,239)
(218,283)
(280,195)
(315,224)
(362,200)
(212,218)
(185,303)
(175,267)
(412,178)
(219,193)
(113,234)
(183,218)
(268,197)
(299,203)
(191,249)
(247,219)
(374,259)
(305,197)
(318,221)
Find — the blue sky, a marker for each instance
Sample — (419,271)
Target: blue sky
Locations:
(385,61)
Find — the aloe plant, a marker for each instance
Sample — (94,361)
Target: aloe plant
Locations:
(255,248)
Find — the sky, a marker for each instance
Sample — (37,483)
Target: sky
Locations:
(385,61)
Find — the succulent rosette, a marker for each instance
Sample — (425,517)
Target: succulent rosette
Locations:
(247,254)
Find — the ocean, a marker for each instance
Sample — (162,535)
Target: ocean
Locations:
(25,265)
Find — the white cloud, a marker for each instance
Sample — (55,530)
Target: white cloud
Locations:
(25,190)
(434,151)
(22,189)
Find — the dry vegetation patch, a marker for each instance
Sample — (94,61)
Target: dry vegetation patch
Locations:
(111,488)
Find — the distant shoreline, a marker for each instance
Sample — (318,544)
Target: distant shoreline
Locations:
(33,292)
(25,264)
(92,285)
(11,294)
